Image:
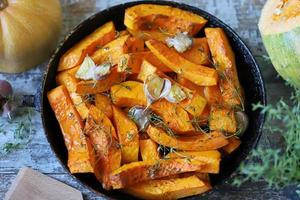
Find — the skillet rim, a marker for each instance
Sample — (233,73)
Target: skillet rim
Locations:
(43,94)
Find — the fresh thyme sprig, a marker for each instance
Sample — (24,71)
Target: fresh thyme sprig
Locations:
(21,134)
(157,121)
(278,167)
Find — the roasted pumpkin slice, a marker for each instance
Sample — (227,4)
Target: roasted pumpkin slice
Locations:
(190,85)
(128,94)
(174,116)
(148,35)
(107,149)
(222,119)
(198,74)
(72,72)
(202,176)
(113,51)
(157,17)
(95,87)
(233,144)
(204,117)
(213,95)
(225,64)
(122,33)
(194,105)
(80,158)
(135,172)
(70,82)
(174,188)
(211,158)
(128,135)
(200,142)
(198,53)
(87,46)
(103,102)
(148,69)
(149,150)
(131,63)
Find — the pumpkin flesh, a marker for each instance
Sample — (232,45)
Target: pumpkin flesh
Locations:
(87,46)
(198,74)
(174,188)
(200,142)
(80,159)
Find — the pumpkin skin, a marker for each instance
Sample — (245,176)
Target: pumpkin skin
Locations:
(279,26)
(29,33)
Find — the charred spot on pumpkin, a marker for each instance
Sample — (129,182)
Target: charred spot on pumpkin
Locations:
(146,26)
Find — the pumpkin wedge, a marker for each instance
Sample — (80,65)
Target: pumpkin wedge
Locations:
(107,149)
(202,176)
(135,172)
(87,46)
(148,69)
(204,117)
(198,53)
(80,158)
(149,150)
(95,87)
(211,158)
(233,144)
(128,135)
(156,17)
(128,94)
(103,103)
(213,95)
(222,119)
(70,83)
(113,51)
(131,63)
(148,35)
(174,188)
(198,74)
(72,72)
(190,85)
(173,115)
(224,60)
(122,33)
(194,105)
(200,142)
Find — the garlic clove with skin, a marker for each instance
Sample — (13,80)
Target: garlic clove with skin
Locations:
(90,71)
(181,42)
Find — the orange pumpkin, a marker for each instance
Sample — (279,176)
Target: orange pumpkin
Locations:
(29,33)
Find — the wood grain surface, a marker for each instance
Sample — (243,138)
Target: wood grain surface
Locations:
(32,185)
(241,15)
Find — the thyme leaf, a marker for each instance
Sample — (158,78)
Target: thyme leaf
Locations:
(20,135)
(157,121)
(279,167)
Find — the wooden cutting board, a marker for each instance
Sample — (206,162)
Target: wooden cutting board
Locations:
(32,185)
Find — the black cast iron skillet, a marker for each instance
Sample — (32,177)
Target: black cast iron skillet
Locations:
(248,72)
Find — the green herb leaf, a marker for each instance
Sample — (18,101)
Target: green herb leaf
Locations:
(279,167)
(21,132)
